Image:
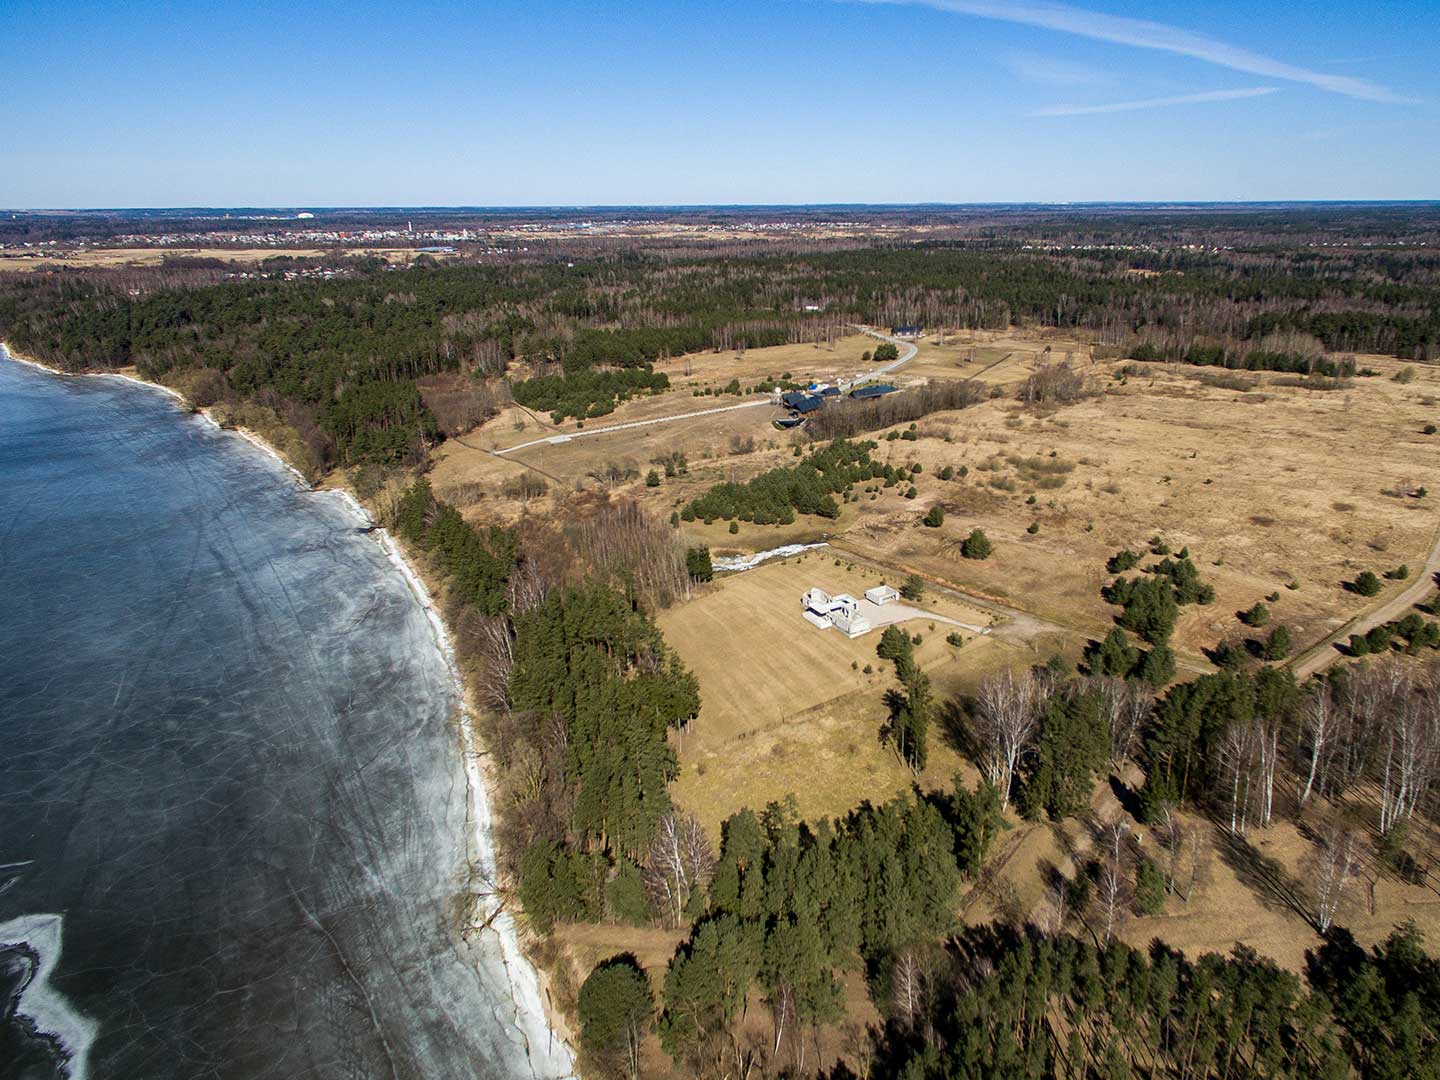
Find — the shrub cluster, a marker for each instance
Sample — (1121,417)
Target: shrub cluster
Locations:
(807,487)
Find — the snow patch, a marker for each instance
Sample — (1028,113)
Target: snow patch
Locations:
(736,563)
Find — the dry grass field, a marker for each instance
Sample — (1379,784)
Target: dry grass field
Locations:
(787,708)
(1257,890)
(1274,488)
(993,356)
(824,361)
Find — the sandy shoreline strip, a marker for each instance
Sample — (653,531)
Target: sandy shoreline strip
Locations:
(542,1035)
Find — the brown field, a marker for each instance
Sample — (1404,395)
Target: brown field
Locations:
(115,257)
(821,361)
(787,708)
(1256,891)
(1270,486)
(993,356)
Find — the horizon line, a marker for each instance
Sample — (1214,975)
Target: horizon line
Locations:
(928,204)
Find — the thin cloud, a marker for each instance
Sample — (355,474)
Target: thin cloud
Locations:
(1155,103)
(1053,71)
(1143,34)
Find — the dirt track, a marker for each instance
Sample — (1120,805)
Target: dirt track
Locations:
(1324,654)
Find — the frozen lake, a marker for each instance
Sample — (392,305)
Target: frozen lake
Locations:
(233,814)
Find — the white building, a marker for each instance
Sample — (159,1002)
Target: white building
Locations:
(845,616)
(882,594)
(841,611)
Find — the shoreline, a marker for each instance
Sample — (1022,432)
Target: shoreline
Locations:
(530,998)
(245,433)
(527,981)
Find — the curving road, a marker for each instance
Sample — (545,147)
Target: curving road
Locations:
(908,351)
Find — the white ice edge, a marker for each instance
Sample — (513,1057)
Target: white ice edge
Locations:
(4,348)
(249,436)
(52,1014)
(530,1018)
(737,563)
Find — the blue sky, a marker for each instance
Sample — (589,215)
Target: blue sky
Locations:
(791,101)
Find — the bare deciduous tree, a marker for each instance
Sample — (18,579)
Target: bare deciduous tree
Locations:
(1408,746)
(1335,864)
(1319,718)
(908,983)
(1112,898)
(1007,709)
(680,862)
(1249,755)
(1184,866)
(1125,707)
(495,641)
(622,540)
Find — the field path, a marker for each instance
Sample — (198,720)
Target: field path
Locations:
(567,436)
(1324,654)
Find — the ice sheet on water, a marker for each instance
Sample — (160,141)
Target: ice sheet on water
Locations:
(230,761)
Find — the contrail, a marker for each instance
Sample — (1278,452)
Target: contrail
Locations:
(1143,34)
(1154,103)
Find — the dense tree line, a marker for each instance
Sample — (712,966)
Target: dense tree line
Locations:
(790,906)
(587,394)
(848,418)
(597,692)
(808,487)
(477,562)
(1017,1003)
(314,342)
(1245,359)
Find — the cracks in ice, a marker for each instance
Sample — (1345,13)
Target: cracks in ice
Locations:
(518,969)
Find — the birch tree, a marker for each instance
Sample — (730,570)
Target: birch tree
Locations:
(908,993)
(1408,747)
(1007,708)
(1112,897)
(1334,868)
(680,862)
(1319,721)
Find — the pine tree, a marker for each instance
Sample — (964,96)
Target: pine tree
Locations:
(616,1009)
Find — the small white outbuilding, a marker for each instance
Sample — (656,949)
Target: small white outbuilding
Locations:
(882,594)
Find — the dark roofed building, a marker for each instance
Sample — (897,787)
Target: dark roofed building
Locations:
(905,331)
(863,392)
(807,403)
(830,391)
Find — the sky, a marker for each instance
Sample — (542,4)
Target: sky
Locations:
(563,102)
